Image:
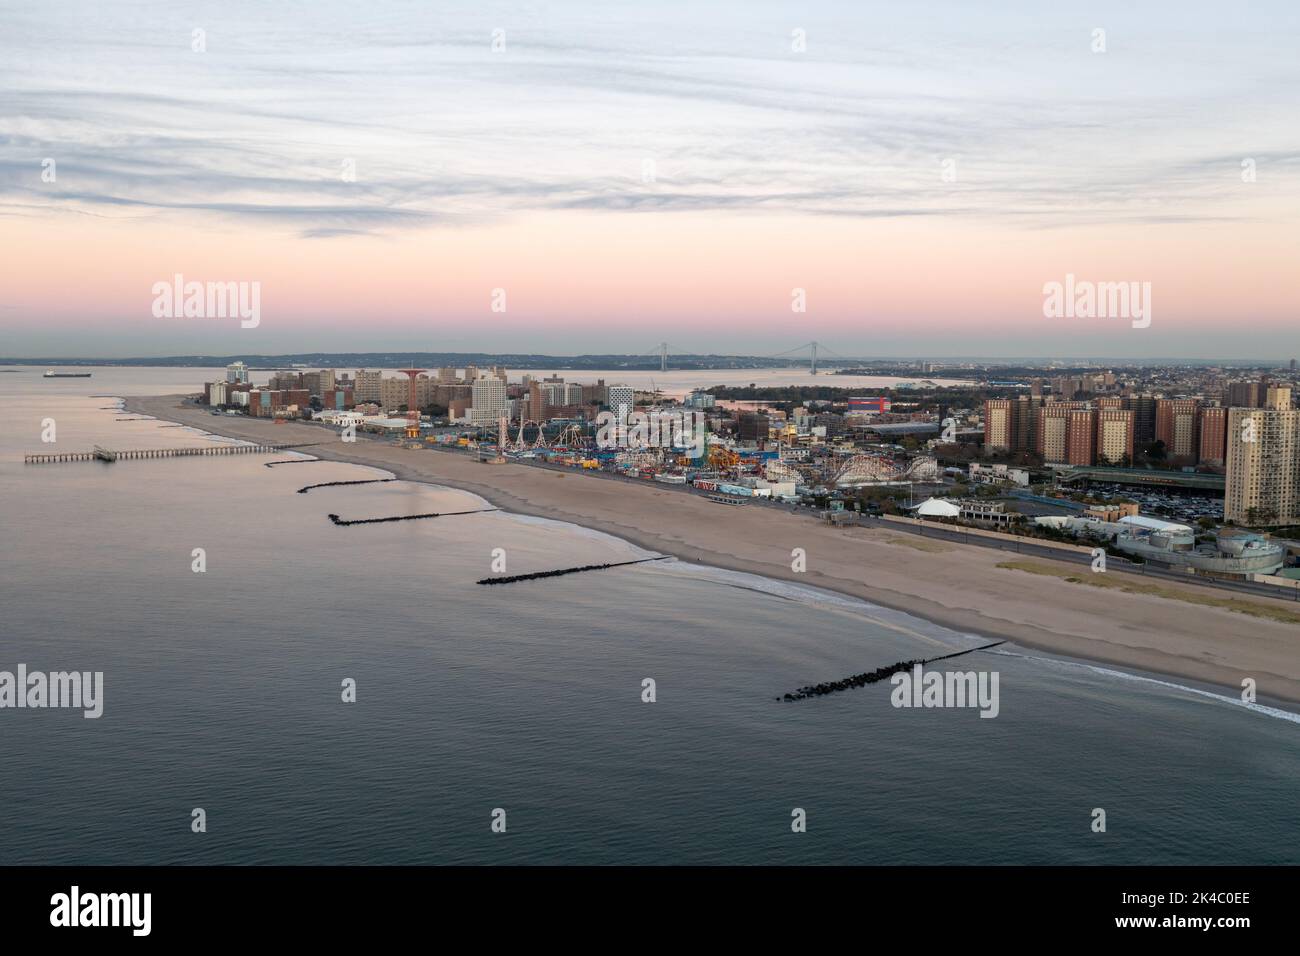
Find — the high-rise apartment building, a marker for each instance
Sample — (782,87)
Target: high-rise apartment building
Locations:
(1263,467)
(554,391)
(1116,429)
(621,399)
(1178,425)
(1081,436)
(1052,431)
(1214,436)
(1144,418)
(1244,394)
(536,402)
(1001,416)
(237,373)
(369,386)
(1027,412)
(1053,439)
(489,400)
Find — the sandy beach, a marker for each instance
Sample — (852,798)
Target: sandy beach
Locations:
(1184,631)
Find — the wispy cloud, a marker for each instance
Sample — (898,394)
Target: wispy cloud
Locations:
(443,131)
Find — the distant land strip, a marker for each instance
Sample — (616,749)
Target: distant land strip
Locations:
(334,484)
(871,677)
(433,514)
(507,579)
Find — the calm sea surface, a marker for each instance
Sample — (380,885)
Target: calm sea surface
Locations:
(222,691)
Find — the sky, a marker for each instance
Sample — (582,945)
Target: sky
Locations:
(579,177)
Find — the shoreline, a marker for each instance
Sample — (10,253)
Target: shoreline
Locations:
(959,587)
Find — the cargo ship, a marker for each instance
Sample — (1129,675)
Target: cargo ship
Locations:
(54,374)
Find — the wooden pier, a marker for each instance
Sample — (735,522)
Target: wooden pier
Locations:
(108,454)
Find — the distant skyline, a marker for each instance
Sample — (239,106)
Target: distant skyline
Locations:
(676,362)
(631,173)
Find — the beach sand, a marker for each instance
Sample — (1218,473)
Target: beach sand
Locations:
(961,587)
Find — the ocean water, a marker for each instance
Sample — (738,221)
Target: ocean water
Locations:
(222,691)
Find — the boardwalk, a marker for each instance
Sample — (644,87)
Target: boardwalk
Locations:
(107,454)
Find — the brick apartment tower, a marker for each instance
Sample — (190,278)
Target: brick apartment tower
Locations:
(1178,425)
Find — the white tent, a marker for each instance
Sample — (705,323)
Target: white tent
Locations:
(937,508)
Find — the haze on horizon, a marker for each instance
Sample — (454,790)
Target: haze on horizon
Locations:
(635,173)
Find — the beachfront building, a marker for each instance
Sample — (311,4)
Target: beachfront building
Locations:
(1263,468)
(489,402)
(998,474)
(980,511)
(1233,553)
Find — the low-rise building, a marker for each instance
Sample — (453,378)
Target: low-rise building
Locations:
(998,475)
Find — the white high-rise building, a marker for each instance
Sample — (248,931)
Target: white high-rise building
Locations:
(621,399)
(489,401)
(237,373)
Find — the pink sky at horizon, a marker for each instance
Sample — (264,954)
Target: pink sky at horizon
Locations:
(623,283)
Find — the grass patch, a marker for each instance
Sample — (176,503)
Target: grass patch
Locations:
(1129,586)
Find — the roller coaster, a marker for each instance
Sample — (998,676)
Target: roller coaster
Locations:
(801,473)
(877,469)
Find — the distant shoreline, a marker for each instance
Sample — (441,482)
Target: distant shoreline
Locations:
(632,363)
(962,588)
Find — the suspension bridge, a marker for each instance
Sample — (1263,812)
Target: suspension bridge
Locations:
(814,351)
